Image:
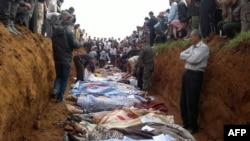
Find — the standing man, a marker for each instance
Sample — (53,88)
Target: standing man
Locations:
(8,10)
(182,9)
(151,22)
(113,53)
(195,57)
(207,11)
(63,44)
(146,66)
(193,13)
(173,13)
(40,19)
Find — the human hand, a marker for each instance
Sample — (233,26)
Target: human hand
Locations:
(27,5)
(124,76)
(224,14)
(45,9)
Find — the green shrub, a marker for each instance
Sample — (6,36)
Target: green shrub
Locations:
(168,45)
(239,41)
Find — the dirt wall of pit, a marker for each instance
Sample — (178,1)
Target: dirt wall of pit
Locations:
(27,73)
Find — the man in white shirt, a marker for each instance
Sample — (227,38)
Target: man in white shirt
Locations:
(196,58)
(131,66)
(104,57)
(113,53)
(93,52)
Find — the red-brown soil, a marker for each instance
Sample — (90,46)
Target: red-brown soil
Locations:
(27,75)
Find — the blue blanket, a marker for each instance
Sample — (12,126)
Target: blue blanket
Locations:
(105,88)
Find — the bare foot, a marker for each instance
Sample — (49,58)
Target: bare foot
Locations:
(73,110)
(71,98)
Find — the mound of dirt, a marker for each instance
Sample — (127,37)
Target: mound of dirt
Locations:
(27,75)
(27,71)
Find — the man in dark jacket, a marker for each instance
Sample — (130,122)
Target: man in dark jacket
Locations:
(193,13)
(232,26)
(207,11)
(182,9)
(63,42)
(152,21)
